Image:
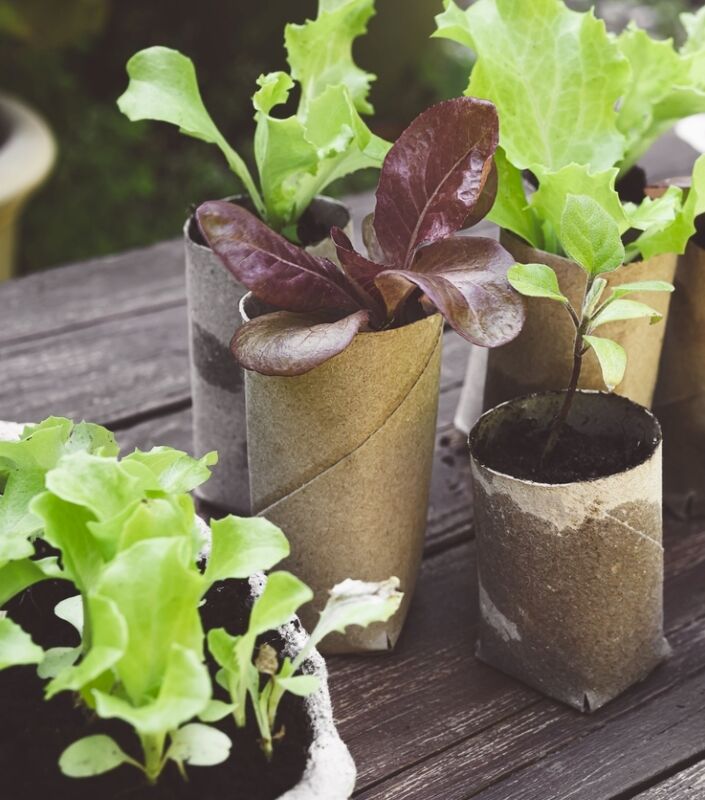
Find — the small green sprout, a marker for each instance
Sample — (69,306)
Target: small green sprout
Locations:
(591,237)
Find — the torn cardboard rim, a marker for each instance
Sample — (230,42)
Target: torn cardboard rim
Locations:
(570,576)
(341,460)
(514,408)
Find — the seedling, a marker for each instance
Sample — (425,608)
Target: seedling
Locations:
(350,603)
(436,180)
(635,88)
(297,156)
(592,239)
(131,544)
(23,466)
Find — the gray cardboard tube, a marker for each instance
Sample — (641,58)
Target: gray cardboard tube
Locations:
(340,460)
(217,387)
(571,575)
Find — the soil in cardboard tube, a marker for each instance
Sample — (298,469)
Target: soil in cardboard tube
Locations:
(516,450)
(35,732)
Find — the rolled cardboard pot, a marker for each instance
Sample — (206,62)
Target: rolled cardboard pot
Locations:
(340,459)
(680,394)
(571,575)
(540,358)
(217,386)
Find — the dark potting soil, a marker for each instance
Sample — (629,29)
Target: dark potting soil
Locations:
(516,450)
(35,732)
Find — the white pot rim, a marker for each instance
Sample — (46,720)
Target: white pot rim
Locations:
(28,153)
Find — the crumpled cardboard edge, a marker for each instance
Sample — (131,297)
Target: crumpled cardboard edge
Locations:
(571,580)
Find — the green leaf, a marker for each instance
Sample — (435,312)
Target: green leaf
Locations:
(536,280)
(56,660)
(274,90)
(242,546)
(184,693)
(617,310)
(199,745)
(16,576)
(174,470)
(281,597)
(92,755)
(71,610)
(672,237)
(157,590)
(108,644)
(590,235)
(353,603)
(216,710)
(300,685)
(163,86)
(320,52)
(550,199)
(16,646)
(612,358)
(592,298)
(664,88)
(640,286)
(511,209)
(66,528)
(659,211)
(554,75)
(102,485)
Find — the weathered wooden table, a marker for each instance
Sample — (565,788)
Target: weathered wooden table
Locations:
(106,340)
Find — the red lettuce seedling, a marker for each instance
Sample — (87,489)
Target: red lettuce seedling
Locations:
(436,180)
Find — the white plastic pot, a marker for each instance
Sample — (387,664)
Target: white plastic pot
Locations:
(27,154)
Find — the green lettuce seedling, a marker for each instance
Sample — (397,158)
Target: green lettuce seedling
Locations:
(579,107)
(592,239)
(296,156)
(131,543)
(23,467)
(350,603)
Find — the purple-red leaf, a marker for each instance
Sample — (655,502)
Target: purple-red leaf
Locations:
(360,270)
(272,268)
(466,279)
(285,343)
(434,176)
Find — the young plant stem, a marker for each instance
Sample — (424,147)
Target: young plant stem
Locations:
(153,748)
(578,352)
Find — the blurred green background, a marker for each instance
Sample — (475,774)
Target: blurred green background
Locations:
(119,184)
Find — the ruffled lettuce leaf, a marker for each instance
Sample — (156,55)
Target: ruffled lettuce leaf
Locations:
(554,74)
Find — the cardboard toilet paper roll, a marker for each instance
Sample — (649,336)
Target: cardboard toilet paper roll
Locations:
(340,459)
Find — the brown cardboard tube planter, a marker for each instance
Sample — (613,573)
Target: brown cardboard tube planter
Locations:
(680,394)
(571,573)
(540,358)
(340,458)
(343,361)
(217,387)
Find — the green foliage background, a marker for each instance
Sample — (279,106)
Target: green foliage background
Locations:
(118,184)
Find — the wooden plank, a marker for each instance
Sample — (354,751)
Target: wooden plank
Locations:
(686,785)
(107,372)
(91,292)
(120,368)
(444,725)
